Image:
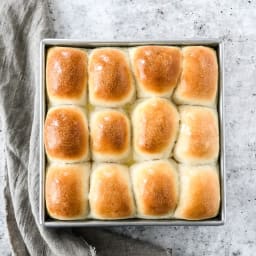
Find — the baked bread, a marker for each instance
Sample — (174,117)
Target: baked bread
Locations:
(155,126)
(66,134)
(110,192)
(199,192)
(198,140)
(110,135)
(156,69)
(110,79)
(199,78)
(130,143)
(66,75)
(66,191)
(155,186)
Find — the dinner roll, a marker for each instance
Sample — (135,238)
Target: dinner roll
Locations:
(199,192)
(66,191)
(155,186)
(155,125)
(66,75)
(110,194)
(110,135)
(198,140)
(110,79)
(199,79)
(156,69)
(66,134)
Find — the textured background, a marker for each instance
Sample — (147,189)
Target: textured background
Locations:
(232,21)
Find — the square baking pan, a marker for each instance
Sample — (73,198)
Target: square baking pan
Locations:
(45,220)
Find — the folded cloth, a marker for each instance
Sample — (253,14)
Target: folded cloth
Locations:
(23,24)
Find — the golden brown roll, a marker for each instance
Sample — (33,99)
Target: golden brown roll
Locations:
(155,125)
(110,194)
(199,78)
(66,75)
(199,192)
(66,191)
(110,79)
(66,134)
(156,69)
(155,186)
(110,135)
(198,140)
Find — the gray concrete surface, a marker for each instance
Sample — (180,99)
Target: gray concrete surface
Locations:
(234,22)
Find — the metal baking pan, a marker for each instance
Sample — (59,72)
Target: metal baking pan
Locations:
(46,220)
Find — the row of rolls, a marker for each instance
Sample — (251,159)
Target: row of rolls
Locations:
(154,130)
(115,77)
(157,189)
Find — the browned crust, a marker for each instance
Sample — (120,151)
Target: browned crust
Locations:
(156,125)
(157,190)
(66,72)
(110,133)
(64,191)
(199,78)
(203,195)
(111,196)
(66,133)
(109,73)
(157,68)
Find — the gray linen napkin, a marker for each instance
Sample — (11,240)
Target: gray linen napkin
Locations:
(23,23)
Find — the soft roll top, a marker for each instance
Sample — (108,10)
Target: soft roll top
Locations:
(66,191)
(110,79)
(110,135)
(110,192)
(199,78)
(66,134)
(199,192)
(155,126)
(155,185)
(198,140)
(66,75)
(156,69)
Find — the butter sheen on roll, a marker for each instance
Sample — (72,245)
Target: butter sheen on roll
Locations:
(198,140)
(155,126)
(66,76)
(110,135)
(66,191)
(156,188)
(110,78)
(110,192)
(156,69)
(66,134)
(199,78)
(199,192)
